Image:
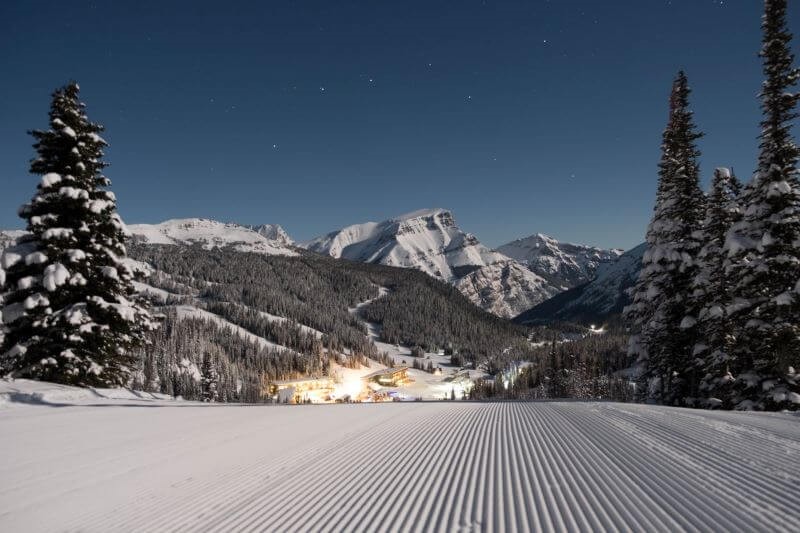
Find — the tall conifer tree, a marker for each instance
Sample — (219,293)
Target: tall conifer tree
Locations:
(711,293)
(765,246)
(661,339)
(70,310)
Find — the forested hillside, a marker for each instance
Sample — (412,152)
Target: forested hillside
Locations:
(301,308)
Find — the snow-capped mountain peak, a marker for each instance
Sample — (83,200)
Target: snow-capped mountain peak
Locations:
(564,264)
(424,213)
(273,232)
(604,295)
(428,240)
(210,234)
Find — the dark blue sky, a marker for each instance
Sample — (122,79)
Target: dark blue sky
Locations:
(521,117)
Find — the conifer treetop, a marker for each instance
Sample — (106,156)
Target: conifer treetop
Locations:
(778,103)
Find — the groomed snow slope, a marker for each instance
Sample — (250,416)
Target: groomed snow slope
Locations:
(438,466)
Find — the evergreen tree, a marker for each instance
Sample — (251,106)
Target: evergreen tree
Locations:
(661,340)
(711,294)
(70,309)
(210,379)
(765,246)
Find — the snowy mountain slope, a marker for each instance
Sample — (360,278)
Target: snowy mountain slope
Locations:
(273,232)
(9,237)
(464,466)
(190,311)
(213,234)
(593,301)
(193,308)
(505,287)
(564,265)
(429,240)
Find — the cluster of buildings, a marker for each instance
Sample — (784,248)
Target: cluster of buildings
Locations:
(371,387)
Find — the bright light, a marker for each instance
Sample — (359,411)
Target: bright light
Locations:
(352,387)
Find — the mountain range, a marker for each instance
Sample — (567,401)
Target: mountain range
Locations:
(505,282)
(535,279)
(595,300)
(563,264)
(269,239)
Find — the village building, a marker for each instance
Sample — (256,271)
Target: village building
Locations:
(390,377)
(302,390)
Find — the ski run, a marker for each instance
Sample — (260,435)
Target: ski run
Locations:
(113,460)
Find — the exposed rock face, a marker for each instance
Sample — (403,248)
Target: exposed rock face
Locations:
(505,288)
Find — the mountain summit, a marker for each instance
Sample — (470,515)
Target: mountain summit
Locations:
(596,300)
(563,264)
(273,232)
(430,240)
(427,240)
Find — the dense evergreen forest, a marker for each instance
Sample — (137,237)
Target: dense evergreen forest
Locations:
(715,317)
(568,362)
(304,304)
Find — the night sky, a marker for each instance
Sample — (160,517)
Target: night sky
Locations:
(521,117)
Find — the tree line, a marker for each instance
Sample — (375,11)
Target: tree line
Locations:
(715,317)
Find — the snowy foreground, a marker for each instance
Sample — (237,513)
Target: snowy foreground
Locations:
(116,461)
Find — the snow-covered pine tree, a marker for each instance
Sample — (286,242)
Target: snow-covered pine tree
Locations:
(70,309)
(210,380)
(711,293)
(661,340)
(764,248)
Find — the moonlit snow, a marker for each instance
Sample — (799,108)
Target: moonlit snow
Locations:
(266,239)
(114,460)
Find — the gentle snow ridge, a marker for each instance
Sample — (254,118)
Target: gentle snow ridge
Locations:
(213,234)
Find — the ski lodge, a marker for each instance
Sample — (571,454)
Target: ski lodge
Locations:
(301,390)
(389,377)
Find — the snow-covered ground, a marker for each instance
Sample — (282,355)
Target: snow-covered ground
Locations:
(189,311)
(267,239)
(424,385)
(96,464)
